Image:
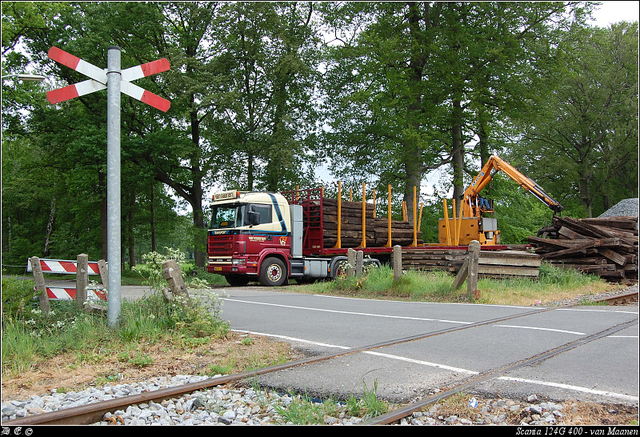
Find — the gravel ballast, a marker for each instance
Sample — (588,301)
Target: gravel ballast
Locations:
(246,406)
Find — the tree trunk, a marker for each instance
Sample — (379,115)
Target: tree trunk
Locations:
(414,177)
(52,216)
(457,154)
(199,244)
(585,192)
(200,235)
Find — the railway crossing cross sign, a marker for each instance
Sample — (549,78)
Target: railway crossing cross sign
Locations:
(115,81)
(98,80)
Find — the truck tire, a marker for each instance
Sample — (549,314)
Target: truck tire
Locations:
(237,280)
(273,272)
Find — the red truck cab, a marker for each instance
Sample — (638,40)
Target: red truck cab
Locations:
(250,236)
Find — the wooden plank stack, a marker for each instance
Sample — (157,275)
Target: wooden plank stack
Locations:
(351,228)
(449,260)
(605,246)
(508,264)
(491,264)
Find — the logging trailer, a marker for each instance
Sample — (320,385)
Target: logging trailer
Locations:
(273,237)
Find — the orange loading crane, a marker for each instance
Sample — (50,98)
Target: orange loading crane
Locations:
(471,225)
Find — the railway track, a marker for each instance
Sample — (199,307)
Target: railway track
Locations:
(92,413)
(622,299)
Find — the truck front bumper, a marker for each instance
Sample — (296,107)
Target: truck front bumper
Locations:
(232,265)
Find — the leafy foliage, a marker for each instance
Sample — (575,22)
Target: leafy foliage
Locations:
(393,93)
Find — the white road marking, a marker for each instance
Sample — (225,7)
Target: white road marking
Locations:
(456,369)
(573,387)
(541,329)
(424,319)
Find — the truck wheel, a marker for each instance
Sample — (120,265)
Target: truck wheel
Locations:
(237,280)
(273,272)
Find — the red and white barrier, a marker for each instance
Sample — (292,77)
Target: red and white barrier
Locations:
(68,267)
(63,266)
(62,293)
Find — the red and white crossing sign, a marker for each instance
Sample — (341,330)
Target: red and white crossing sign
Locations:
(98,80)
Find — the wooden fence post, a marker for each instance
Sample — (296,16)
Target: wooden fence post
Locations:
(351,259)
(40,285)
(469,271)
(173,274)
(359,263)
(397,262)
(472,277)
(82,279)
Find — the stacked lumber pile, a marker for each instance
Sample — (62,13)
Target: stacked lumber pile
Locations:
(491,264)
(605,246)
(351,226)
(508,264)
(449,260)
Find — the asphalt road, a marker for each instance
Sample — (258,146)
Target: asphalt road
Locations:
(602,370)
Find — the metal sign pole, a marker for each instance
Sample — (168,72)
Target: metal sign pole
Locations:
(113,184)
(115,81)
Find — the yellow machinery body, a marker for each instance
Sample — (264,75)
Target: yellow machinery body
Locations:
(470,224)
(468,229)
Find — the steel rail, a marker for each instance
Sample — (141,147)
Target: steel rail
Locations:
(621,298)
(94,412)
(400,413)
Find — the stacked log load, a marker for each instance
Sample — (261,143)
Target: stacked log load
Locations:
(605,246)
(351,226)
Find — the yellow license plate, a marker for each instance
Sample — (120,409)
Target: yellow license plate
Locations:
(217,269)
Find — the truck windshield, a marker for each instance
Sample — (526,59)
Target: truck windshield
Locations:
(227,216)
(236,215)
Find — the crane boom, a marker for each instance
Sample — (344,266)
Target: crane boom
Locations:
(472,206)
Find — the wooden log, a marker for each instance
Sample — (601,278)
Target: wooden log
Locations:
(570,234)
(501,271)
(584,249)
(351,260)
(511,259)
(620,222)
(462,275)
(613,256)
(582,227)
(584,260)
(397,263)
(472,276)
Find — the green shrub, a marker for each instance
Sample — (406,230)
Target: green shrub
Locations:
(553,275)
(18,297)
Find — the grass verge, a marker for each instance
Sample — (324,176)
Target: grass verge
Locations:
(436,286)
